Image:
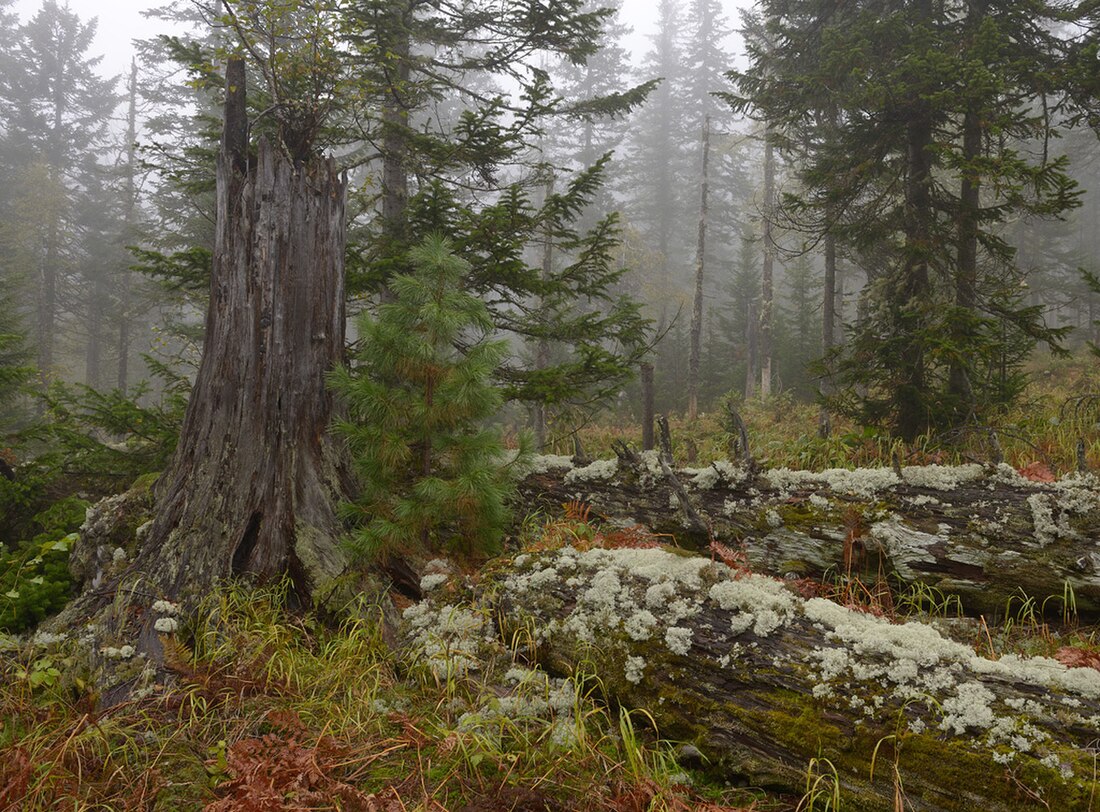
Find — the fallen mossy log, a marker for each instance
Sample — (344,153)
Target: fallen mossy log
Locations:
(983,533)
(769,685)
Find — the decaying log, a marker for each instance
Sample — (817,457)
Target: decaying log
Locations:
(983,533)
(769,685)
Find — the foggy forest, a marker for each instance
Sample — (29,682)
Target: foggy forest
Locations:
(460,407)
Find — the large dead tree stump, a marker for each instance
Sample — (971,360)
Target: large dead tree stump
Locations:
(253,487)
(770,686)
(254,484)
(983,533)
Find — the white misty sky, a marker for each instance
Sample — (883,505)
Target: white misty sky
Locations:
(120,21)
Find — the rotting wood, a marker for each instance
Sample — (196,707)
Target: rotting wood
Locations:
(994,540)
(766,683)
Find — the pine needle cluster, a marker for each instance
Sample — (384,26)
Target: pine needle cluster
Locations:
(432,474)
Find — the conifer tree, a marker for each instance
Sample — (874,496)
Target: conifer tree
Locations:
(53,122)
(432,475)
(919,166)
(15,356)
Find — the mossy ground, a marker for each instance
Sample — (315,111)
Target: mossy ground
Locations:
(271,710)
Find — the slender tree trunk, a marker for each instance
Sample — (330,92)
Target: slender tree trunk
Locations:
(542,352)
(253,485)
(911,295)
(395,129)
(828,315)
(47,302)
(766,280)
(700,269)
(838,308)
(828,322)
(751,350)
(647,407)
(124,298)
(966,279)
(93,350)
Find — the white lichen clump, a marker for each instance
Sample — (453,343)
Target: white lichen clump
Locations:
(166,608)
(678,639)
(448,639)
(118,653)
(533,699)
(166,625)
(432,580)
(600,470)
(545,463)
(862,482)
(720,472)
(941,477)
(760,603)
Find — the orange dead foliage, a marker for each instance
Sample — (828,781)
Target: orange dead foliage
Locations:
(1037,472)
(737,560)
(1074,657)
(276,772)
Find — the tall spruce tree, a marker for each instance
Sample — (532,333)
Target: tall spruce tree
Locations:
(899,174)
(54,123)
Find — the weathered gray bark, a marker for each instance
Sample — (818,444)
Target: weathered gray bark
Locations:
(991,539)
(254,484)
(768,685)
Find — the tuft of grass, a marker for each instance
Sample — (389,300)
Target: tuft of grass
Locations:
(275,710)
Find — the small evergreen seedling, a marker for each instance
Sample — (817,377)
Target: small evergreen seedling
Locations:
(431,474)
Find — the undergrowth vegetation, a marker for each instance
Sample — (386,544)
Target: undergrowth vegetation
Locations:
(272,711)
(1059,410)
(268,709)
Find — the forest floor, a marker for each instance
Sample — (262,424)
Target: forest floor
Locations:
(272,710)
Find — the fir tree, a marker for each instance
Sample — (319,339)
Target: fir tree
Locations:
(919,164)
(432,475)
(15,356)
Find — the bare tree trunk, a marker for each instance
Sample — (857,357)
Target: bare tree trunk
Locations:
(966,278)
(909,297)
(766,281)
(700,268)
(124,298)
(828,322)
(93,350)
(253,485)
(751,352)
(395,135)
(542,352)
(647,407)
